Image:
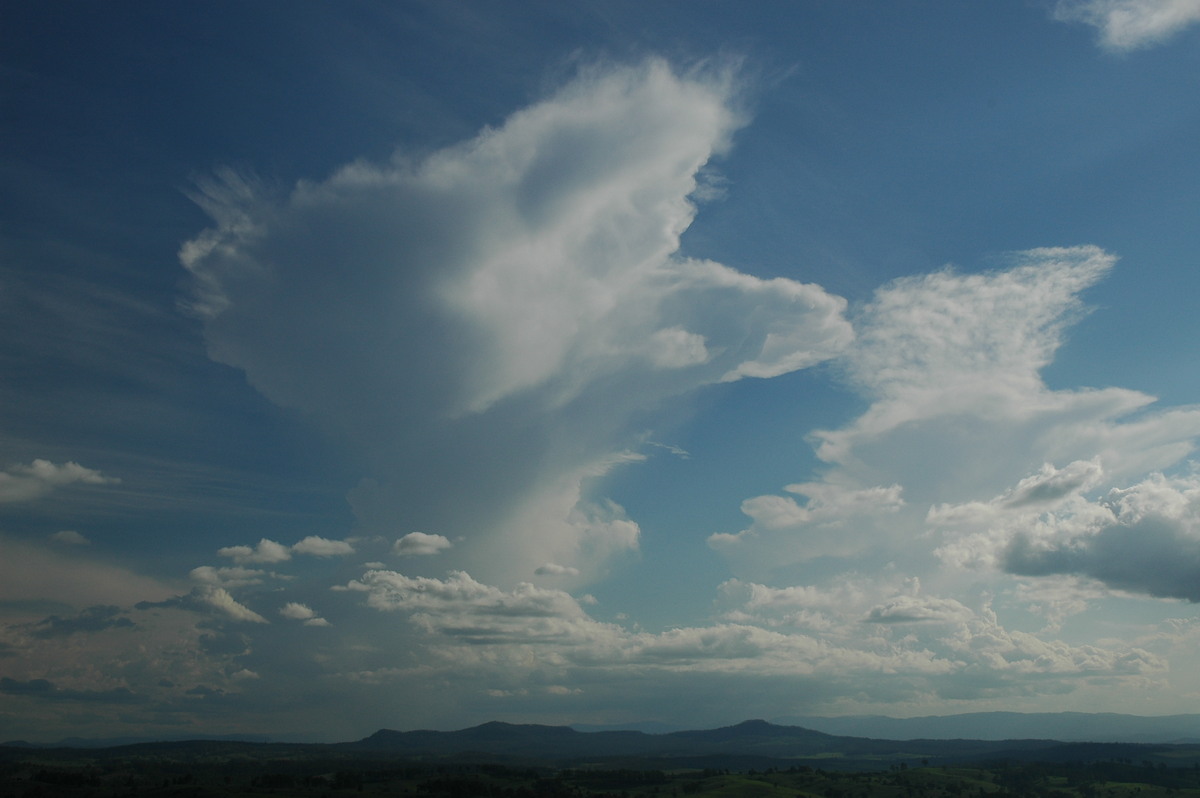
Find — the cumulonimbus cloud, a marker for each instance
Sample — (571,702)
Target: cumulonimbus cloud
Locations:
(492,324)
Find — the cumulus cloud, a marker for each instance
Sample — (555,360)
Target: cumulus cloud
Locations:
(208,598)
(270,551)
(827,516)
(419,543)
(492,324)
(322,547)
(296,611)
(70,537)
(1131,24)
(918,609)
(471,623)
(1142,539)
(218,598)
(302,612)
(22,483)
(1044,491)
(266,551)
(466,609)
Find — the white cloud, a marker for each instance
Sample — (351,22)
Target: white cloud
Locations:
(962,426)
(465,609)
(70,537)
(22,483)
(472,625)
(829,516)
(219,599)
(507,313)
(1131,24)
(322,547)
(420,544)
(265,551)
(948,344)
(298,612)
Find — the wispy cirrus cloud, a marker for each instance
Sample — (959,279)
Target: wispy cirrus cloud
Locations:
(1131,24)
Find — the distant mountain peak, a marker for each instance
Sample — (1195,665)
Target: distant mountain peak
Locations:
(755,724)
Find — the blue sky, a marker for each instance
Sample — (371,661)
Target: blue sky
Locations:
(414,365)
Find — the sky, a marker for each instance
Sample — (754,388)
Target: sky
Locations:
(421,364)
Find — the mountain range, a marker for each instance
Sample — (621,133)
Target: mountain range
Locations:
(748,745)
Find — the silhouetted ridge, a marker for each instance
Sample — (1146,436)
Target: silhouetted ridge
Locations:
(754,744)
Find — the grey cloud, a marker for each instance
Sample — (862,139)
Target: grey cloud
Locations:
(92,619)
(919,609)
(48,691)
(554,569)
(420,544)
(27,482)
(1155,556)
(225,643)
(70,537)
(1051,484)
(1142,539)
(208,599)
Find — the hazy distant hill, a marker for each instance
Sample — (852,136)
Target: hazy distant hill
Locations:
(112,742)
(753,744)
(1065,726)
(733,746)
